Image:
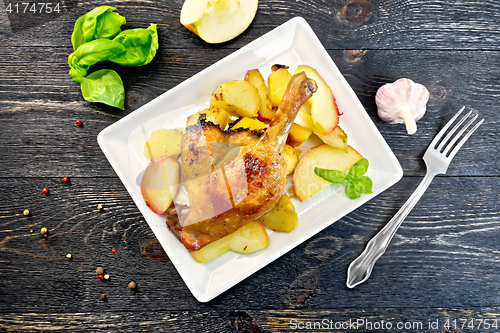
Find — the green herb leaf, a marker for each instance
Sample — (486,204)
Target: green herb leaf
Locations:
(140,46)
(353,191)
(97,36)
(357,183)
(333,176)
(91,53)
(366,182)
(358,186)
(100,22)
(109,25)
(358,169)
(104,86)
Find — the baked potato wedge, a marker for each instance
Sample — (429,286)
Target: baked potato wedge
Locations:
(239,98)
(282,218)
(247,239)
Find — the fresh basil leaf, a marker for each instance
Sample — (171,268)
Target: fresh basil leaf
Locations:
(140,46)
(366,182)
(350,191)
(108,26)
(333,176)
(103,86)
(358,186)
(91,53)
(354,190)
(100,22)
(358,169)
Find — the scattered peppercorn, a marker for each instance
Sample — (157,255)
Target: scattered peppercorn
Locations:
(102,297)
(26,212)
(69,256)
(44,230)
(100,277)
(45,190)
(31,230)
(78,123)
(99,207)
(106,277)
(99,271)
(65,179)
(113,250)
(132,285)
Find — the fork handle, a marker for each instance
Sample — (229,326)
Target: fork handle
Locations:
(360,269)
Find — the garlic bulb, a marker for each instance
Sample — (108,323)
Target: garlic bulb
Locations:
(402,101)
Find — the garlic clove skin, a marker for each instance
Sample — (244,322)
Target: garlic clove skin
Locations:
(402,101)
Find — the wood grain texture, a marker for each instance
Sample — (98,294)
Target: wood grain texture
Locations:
(432,320)
(340,24)
(448,240)
(442,264)
(39,104)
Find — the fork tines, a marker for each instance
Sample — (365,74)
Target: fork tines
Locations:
(449,146)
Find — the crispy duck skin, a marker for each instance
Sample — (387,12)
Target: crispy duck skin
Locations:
(230,187)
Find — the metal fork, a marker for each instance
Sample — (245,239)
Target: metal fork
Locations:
(437,157)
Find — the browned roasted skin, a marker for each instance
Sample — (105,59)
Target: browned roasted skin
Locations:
(200,154)
(244,184)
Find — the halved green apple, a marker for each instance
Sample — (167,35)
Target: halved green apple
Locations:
(217,21)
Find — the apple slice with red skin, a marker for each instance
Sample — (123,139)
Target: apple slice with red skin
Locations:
(324,110)
(160,183)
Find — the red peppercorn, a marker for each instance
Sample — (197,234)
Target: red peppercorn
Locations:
(100,276)
(113,250)
(65,179)
(45,190)
(78,123)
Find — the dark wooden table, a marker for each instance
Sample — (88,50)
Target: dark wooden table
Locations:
(442,265)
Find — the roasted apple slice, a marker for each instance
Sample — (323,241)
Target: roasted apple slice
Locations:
(217,21)
(324,111)
(160,183)
(306,183)
(247,239)
(337,138)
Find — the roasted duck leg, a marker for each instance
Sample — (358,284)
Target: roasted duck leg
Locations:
(228,190)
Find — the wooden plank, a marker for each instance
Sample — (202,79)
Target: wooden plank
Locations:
(243,320)
(377,24)
(39,104)
(447,246)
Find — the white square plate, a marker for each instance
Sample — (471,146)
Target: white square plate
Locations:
(292,43)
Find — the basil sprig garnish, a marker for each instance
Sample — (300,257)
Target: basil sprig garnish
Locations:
(356,181)
(97,36)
